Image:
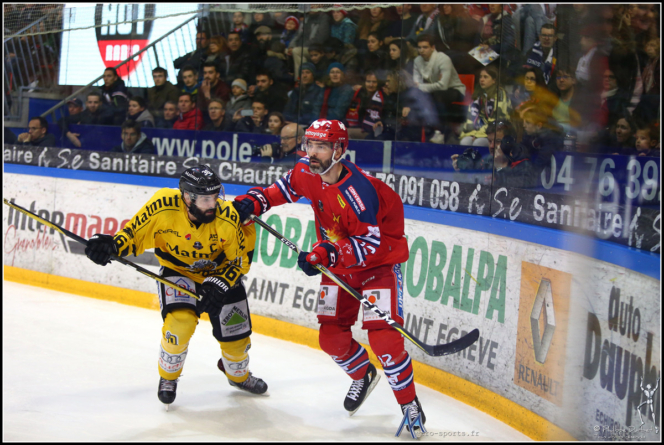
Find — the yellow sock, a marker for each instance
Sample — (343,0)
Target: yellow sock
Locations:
(178,328)
(236,360)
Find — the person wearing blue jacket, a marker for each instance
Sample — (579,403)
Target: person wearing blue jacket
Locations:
(301,106)
(337,96)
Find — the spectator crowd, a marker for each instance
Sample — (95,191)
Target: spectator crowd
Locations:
(581,77)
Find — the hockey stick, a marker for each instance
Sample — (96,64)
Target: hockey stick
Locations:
(85,243)
(436,351)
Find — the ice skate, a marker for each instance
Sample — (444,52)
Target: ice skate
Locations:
(414,409)
(166,392)
(253,384)
(360,389)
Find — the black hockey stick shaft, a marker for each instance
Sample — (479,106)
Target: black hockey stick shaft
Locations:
(85,243)
(436,351)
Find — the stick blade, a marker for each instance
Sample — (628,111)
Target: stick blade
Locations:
(455,346)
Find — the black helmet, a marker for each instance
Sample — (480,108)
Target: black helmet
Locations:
(201,180)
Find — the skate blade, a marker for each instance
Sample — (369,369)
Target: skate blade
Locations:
(166,405)
(372,385)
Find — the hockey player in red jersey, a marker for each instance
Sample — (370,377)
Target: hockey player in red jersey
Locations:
(360,230)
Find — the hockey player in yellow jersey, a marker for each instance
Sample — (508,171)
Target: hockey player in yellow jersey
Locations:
(202,246)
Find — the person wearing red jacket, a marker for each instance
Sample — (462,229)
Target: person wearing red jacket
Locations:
(360,231)
(191,118)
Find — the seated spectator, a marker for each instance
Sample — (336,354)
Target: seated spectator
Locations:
(614,99)
(240,99)
(291,25)
(335,100)
(408,113)
(275,122)
(134,140)
(591,65)
(435,74)
(423,22)
(115,95)
(94,113)
(489,103)
(373,20)
(196,58)
(138,112)
(37,135)
(376,58)
(219,120)
(533,17)
(190,118)
(402,56)
(365,109)
(568,111)
(618,139)
(471,160)
(269,56)
(317,31)
(513,167)
(161,92)
(336,51)
(170,115)
(272,95)
(532,93)
(259,19)
(540,138)
(301,105)
(320,61)
(343,28)
(212,86)
(647,140)
(648,108)
(190,81)
(497,33)
(256,123)
(239,26)
(217,51)
(401,26)
(239,62)
(544,53)
(454,33)
(75,107)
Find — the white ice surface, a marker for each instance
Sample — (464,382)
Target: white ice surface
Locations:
(79,369)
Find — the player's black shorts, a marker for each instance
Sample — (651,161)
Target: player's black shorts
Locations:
(232,323)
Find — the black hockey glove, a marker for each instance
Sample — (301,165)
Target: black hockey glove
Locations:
(213,291)
(254,202)
(100,248)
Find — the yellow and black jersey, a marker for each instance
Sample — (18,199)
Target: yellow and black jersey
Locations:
(223,247)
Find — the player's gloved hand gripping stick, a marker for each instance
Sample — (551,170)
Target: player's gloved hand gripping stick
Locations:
(112,256)
(436,351)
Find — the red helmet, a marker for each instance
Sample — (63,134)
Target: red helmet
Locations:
(327,131)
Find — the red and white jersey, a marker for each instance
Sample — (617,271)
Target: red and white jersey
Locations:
(360,214)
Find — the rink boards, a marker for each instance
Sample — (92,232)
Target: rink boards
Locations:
(563,335)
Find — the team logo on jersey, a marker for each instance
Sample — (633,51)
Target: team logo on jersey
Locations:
(320,205)
(201,266)
(116,40)
(187,236)
(198,245)
(213,237)
(336,218)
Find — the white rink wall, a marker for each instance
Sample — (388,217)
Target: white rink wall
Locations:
(563,335)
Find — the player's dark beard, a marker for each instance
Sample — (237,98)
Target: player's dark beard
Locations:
(200,215)
(322,166)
